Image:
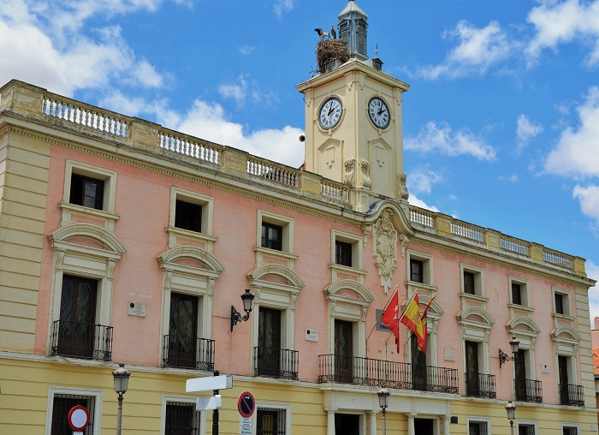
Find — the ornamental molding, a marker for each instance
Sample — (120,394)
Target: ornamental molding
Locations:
(294,282)
(112,246)
(168,261)
(336,287)
(565,335)
(531,329)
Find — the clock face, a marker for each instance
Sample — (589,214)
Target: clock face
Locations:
(379,113)
(330,113)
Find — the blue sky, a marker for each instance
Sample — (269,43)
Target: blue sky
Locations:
(501,122)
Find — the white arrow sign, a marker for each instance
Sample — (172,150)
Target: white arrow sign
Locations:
(197,385)
(209,403)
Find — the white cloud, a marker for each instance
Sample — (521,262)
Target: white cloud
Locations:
(593,273)
(235,91)
(478,49)
(423,180)
(558,22)
(526,130)
(577,152)
(443,139)
(588,197)
(246,50)
(44,45)
(414,200)
(281,7)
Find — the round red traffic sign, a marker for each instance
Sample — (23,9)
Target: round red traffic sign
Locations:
(78,417)
(246,404)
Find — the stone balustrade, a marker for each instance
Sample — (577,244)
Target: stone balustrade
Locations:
(37,104)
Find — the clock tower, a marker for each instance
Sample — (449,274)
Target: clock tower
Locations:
(353,114)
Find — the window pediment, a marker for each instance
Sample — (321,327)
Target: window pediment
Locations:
(191,259)
(524,326)
(90,237)
(476,318)
(349,291)
(276,276)
(565,335)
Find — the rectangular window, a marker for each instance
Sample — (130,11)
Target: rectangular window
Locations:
(181,419)
(270,421)
(343,253)
(87,191)
(62,404)
(272,236)
(469,282)
(518,293)
(561,303)
(416,270)
(188,216)
(570,430)
(477,428)
(526,429)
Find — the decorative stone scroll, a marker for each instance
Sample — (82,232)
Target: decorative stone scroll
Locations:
(385,248)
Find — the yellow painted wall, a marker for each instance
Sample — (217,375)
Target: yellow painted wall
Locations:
(24,166)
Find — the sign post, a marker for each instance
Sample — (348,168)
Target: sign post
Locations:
(246,405)
(78,417)
(214,383)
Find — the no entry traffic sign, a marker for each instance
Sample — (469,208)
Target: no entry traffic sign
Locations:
(78,417)
(246,404)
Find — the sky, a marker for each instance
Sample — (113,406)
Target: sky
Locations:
(501,121)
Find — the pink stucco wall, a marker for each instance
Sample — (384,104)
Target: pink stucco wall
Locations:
(142,202)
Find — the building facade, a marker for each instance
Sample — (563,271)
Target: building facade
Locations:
(123,241)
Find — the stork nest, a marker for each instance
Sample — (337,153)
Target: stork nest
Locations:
(329,51)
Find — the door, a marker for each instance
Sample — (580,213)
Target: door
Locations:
(520,375)
(344,351)
(472,378)
(563,379)
(419,371)
(77,317)
(347,424)
(269,342)
(183,331)
(424,426)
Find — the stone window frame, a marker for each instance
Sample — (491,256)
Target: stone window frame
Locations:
(276,296)
(180,399)
(428,267)
(568,347)
(527,342)
(277,406)
(57,390)
(478,332)
(527,305)
(189,280)
(486,420)
(479,290)
(288,225)
(78,260)
(351,310)
(574,425)
(207,204)
(110,187)
(518,422)
(568,305)
(357,243)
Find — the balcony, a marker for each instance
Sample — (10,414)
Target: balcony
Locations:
(188,353)
(388,374)
(81,340)
(529,390)
(276,363)
(481,385)
(571,395)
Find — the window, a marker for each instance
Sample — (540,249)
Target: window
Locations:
(87,191)
(188,216)
(61,405)
(477,428)
(181,418)
(561,303)
(271,421)
(343,253)
(416,270)
(469,282)
(526,429)
(272,236)
(519,294)
(569,430)
(269,352)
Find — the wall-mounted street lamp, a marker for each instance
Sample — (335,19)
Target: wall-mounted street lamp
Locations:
(384,404)
(504,357)
(121,383)
(510,408)
(248,299)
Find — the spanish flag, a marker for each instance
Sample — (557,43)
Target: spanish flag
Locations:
(413,320)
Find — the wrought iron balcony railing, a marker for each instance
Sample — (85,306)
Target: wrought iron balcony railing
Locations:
(389,374)
(529,390)
(81,340)
(480,385)
(188,353)
(276,363)
(572,395)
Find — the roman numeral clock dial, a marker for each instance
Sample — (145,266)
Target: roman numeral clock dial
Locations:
(330,113)
(379,113)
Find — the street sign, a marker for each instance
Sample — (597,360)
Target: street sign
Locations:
(246,404)
(210,383)
(78,417)
(245,426)
(209,403)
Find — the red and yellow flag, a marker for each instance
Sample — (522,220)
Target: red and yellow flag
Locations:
(416,321)
(390,317)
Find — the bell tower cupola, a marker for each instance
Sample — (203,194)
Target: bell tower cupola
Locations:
(353,29)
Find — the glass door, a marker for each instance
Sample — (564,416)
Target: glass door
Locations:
(472,379)
(77,317)
(183,331)
(419,370)
(269,342)
(344,351)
